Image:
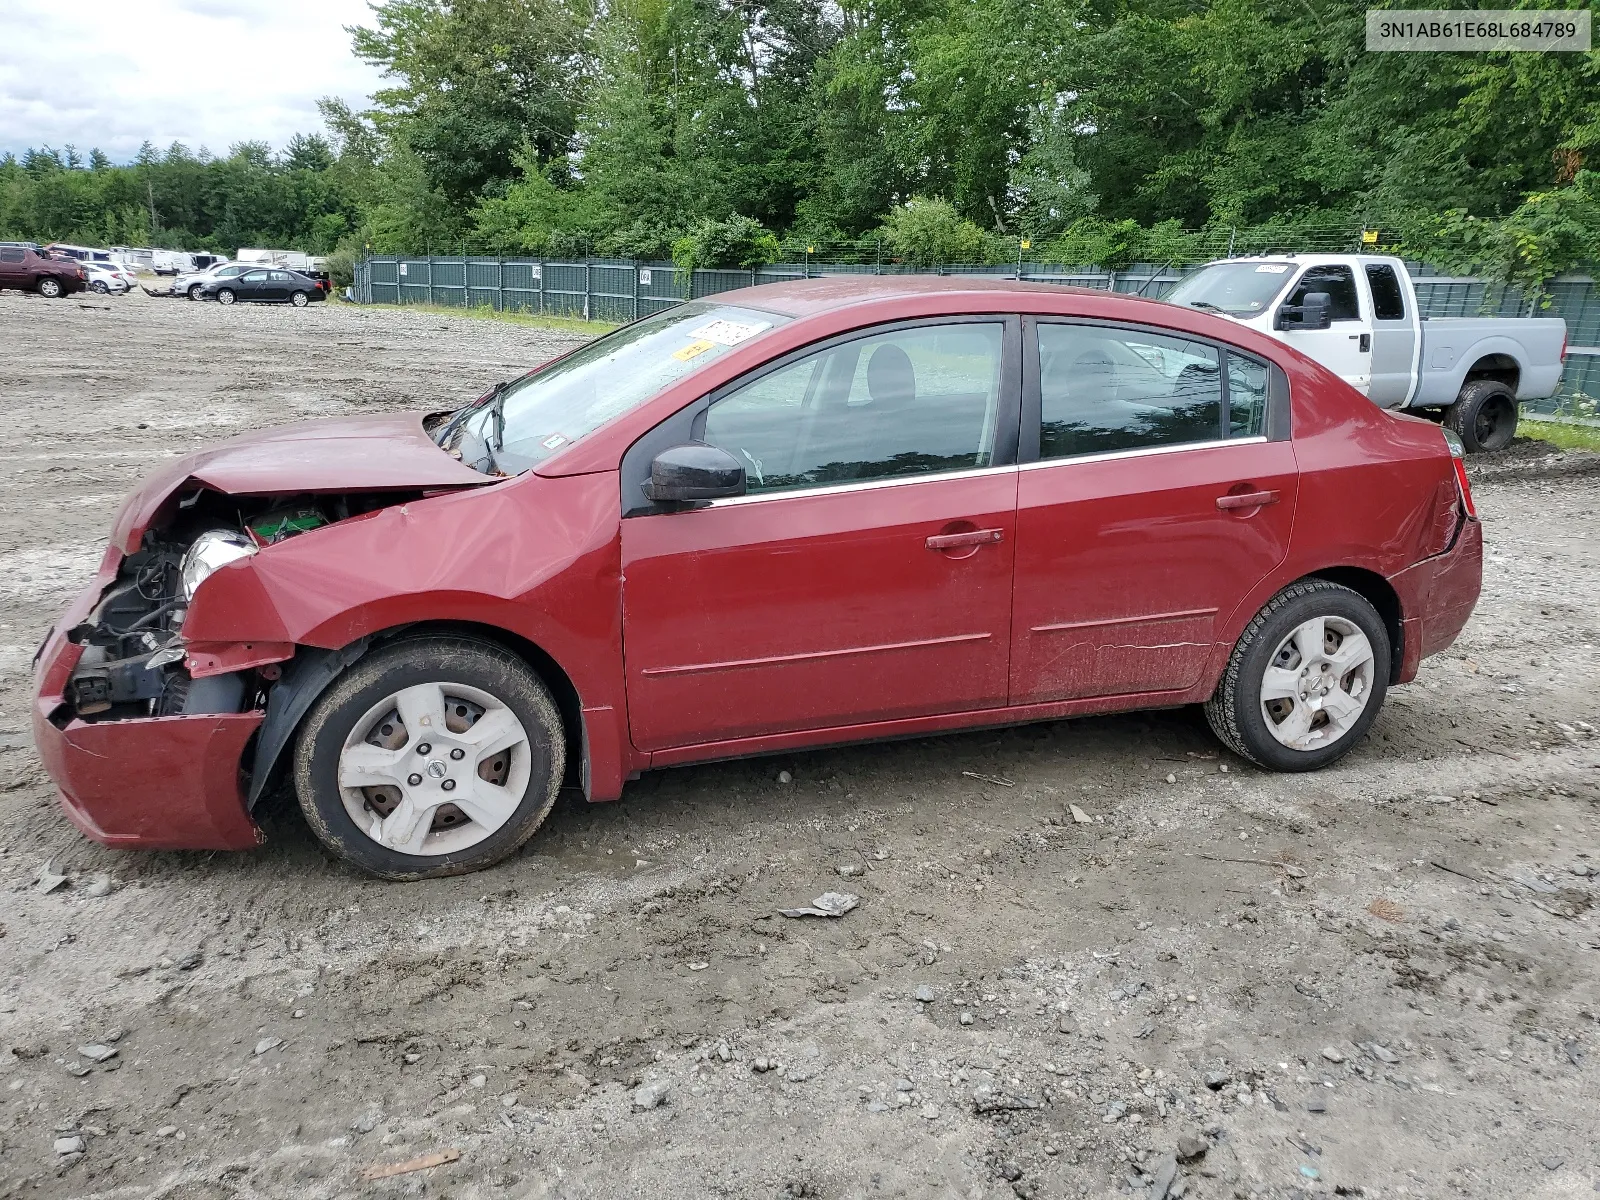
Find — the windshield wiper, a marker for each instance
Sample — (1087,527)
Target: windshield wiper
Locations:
(1205,304)
(448,429)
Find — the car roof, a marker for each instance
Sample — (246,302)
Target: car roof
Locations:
(828,293)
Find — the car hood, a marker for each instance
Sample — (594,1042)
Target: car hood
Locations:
(391,452)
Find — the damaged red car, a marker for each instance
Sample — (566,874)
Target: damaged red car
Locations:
(801,514)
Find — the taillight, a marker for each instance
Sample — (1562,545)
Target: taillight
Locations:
(1458,459)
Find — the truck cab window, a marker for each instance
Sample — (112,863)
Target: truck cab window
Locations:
(1340,284)
(1388,301)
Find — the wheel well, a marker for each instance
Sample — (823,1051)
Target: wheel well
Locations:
(1376,590)
(1501,368)
(562,691)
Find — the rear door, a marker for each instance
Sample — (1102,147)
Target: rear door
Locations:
(1157,487)
(1394,338)
(866,576)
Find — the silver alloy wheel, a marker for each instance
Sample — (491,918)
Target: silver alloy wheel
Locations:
(434,769)
(300,299)
(49,288)
(225,296)
(1317,683)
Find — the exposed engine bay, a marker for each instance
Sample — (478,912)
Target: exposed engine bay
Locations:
(132,663)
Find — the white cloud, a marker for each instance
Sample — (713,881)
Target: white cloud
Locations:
(114,73)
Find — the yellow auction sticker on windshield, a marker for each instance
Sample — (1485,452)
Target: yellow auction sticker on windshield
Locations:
(693,350)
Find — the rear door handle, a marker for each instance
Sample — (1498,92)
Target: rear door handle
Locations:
(970,537)
(1246,500)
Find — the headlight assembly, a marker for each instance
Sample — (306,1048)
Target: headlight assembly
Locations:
(211,550)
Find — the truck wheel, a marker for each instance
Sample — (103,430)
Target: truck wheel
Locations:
(433,756)
(1305,680)
(49,287)
(1484,415)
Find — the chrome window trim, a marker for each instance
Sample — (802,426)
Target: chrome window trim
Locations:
(862,485)
(1143,452)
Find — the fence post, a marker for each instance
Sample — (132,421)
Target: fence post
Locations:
(500,283)
(588,286)
(430,281)
(636,289)
(541,287)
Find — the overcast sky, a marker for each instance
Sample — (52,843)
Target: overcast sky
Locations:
(113,73)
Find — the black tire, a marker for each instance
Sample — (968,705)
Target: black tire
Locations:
(402,664)
(1234,710)
(195,292)
(225,296)
(49,287)
(299,299)
(1484,416)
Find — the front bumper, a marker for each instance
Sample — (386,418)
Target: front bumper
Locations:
(155,783)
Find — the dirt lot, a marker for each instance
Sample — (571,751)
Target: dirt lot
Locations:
(1379,980)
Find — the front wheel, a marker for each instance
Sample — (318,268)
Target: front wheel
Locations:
(299,299)
(1305,680)
(195,293)
(225,296)
(49,287)
(432,756)
(1484,416)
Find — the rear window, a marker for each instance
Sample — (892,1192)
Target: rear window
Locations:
(1388,301)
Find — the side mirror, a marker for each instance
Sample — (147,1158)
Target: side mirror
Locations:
(694,471)
(1312,313)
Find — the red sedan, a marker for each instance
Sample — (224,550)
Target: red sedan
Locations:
(795,515)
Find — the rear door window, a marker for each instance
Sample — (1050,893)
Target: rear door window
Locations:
(1388,300)
(1104,389)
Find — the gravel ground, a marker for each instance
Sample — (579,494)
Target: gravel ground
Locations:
(1379,980)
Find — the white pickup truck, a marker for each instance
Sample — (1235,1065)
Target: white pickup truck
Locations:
(1357,315)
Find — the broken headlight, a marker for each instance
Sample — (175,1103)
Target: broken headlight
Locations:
(211,550)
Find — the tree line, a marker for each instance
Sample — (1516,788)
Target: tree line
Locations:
(726,132)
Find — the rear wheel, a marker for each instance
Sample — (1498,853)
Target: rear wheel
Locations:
(433,756)
(225,296)
(1305,680)
(1484,416)
(99,285)
(299,299)
(49,287)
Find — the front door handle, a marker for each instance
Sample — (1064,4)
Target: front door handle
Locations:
(1246,500)
(968,537)
(1364,342)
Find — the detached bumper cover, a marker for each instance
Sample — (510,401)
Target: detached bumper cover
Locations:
(157,783)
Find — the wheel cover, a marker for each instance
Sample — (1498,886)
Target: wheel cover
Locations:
(50,287)
(434,769)
(1317,683)
(299,300)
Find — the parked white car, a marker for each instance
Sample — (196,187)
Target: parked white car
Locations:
(190,283)
(1357,315)
(108,278)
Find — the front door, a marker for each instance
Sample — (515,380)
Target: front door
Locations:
(1163,490)
(866,575)
(252,285)
(1345,347)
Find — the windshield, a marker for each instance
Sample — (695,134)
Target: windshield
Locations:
(1240,289)
(530,419)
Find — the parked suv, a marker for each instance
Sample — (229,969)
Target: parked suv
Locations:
(27,270)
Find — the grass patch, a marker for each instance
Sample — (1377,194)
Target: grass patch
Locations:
(532,320)
(1559,433)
